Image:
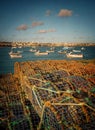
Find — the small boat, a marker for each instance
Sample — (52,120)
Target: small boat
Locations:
(19,46)
(61,52)
(38,53)
(72,55)
(14,54)
(19,51)
(33,50)
(65,48)
(82,48)
(76,50)
(49,51)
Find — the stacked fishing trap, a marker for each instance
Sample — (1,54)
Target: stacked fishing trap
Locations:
(13,111)
(49,95)
(62,93)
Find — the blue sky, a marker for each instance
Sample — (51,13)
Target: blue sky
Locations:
(47,20)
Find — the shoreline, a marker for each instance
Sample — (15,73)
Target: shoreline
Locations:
(92,61)
(30,44)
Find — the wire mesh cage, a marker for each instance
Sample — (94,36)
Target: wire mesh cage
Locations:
(13,112)
(67,113)
(48,95)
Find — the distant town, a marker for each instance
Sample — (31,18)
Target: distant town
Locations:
(28,44)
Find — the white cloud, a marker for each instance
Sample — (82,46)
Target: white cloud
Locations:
(48,13)
(65,13)
(39,23)
(42,31)
(46,31)
(51,30)
(22,27)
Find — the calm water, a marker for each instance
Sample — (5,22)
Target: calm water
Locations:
(7,64)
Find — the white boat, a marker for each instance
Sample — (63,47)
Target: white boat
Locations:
(33,50)
(19,51)
(14,54)
(82,48)
(38,53)
(19,46)
(65,48)
(74,55)
(76,50)
(49,51)
(61,52)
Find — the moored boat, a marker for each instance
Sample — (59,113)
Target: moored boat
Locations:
(49,51)
(76,50)
(62,52)
(72,55)
(15,54)
(33,50)
(38,53)
(82,48)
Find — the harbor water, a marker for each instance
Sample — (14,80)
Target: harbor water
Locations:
(7,63)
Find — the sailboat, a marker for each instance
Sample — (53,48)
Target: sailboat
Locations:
(14,54)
